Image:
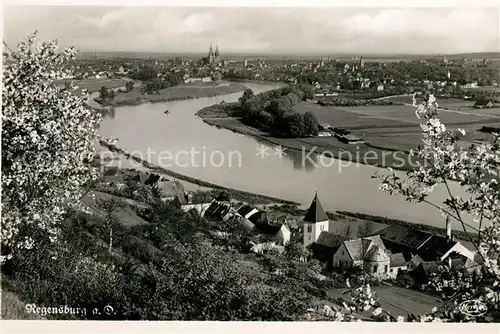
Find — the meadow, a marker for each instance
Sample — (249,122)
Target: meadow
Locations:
(393,127)
(93,85)
(180,92)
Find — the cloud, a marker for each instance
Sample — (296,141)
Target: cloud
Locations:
(274,30)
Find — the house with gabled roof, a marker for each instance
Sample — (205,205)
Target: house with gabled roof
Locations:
(414,262)
(262,224)
(218,210)
(370,254)
(484,103)
(397,264)
(429,247)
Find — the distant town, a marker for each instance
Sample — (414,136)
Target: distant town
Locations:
(445,75)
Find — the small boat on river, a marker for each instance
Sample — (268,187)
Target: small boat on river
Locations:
(166,112)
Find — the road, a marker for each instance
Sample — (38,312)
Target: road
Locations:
(399,301)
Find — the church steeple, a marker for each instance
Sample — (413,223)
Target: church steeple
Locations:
(211,56)
(315,221)
(216,51)
(315,213)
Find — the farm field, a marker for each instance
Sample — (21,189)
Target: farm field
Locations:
(342,117)
(407,114)
(392,127)
(463,106)
(384,116)
(93,85)
(399,301)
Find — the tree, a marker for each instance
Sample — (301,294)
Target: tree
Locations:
(294,125)
(247,94)
(103,93)
(476,170)
(311,124)
(47,143)
(129,86)
(110,206)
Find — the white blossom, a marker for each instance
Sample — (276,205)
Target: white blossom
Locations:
(47,134)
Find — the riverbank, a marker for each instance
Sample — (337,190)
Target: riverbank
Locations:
(286,206)
(154,168)
(177,93)
(281,84)
(366,154)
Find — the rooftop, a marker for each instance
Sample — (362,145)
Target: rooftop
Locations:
(369,248)
(435,247)
(331,240)
(405,236)
(397,260)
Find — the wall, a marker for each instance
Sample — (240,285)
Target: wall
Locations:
(315,231)
(380,271)
(341,258)
(395,271)
(283,235)
(460,249)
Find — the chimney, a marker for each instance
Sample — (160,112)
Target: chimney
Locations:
(448,229)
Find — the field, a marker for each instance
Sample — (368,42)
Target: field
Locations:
(463,106)
(395,127)
(390,132)
(399,301)
(93,85)
(181,92)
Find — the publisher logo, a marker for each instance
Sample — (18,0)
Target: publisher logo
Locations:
(473,308)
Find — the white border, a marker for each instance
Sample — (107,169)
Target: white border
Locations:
(265,3)
(173,327)
(13,326)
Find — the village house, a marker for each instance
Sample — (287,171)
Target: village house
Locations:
(414,262)
(480,104)
(424,271)
(429,247)
(219,210)
(182,200)
(261,223)
(367,253)
(198,79)
(397,264)
(169,190)
(113,177)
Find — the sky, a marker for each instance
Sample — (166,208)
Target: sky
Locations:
(260,30)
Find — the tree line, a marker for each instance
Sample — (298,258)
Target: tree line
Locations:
(155,80)
(272,110)
(356,103)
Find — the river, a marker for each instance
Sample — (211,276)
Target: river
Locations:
(230,159)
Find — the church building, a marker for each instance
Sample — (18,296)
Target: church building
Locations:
(317,238)
(213,57)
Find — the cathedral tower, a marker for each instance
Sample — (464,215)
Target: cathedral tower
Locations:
(217,56)
(211,56)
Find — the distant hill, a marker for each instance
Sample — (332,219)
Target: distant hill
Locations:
(476,55)
(250,56)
